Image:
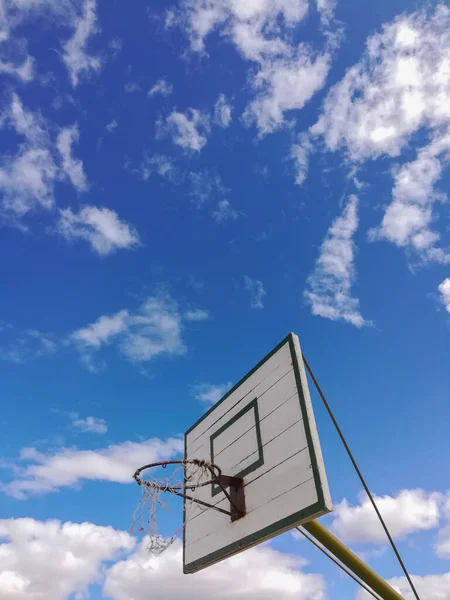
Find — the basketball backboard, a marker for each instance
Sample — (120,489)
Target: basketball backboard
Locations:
(264,431)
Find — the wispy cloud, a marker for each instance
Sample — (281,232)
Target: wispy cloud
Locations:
(112,126)
(89,424)
(188,130)
(29,345)
(224,212)
(222,111)
(100,227)
(257,291)
(209,393)
(77,60)
(40,473)
(162,87)
(72,167)
(205,186)
(329,286)
(155,329)
(198,314)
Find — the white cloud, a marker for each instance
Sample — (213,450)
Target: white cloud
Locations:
(250,26)
(29,345)
(196,315)
(444,290)
(112,125)
(155,329)
(285,84)
(162,87)
(287,74)
(429,587)
(161,165)
(407,220)
(224,212)
(210,393)
(73,167)
(257,291)
(101,227)
(50,560)
(187,130)
(131,87)
(300,155)
(90,425)
(27,178)
(222,111)
(400,85)
(329,285)
(76,57)
(262,573)
(205,186)
(23,71)
(39,473)
(406,513)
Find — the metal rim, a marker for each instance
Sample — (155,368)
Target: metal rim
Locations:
(216,472)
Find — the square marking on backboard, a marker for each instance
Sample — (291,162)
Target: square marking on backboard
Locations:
(237,445)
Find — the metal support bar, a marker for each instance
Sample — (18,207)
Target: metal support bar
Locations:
(236,496)
(353,562)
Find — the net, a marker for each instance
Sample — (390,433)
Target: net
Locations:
(181,478)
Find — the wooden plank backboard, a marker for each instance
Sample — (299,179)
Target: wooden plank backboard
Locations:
(263,430)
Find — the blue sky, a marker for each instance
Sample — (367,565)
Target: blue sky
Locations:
(181,185)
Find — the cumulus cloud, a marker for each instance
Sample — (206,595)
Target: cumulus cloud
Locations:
(257,292)
(89,424)
(72,167)
(222,111)
(188,130)
(29,174)
(162,88)
(224,212)
(158,164)
(429,587)
(263,573)
(100,227)
(283,85)
(209,393)
(27,178)
(156,328)
(76,57)
(53,560)
(41,473)
(408,219)
(444,290)
(287,74)
(329,285)
(400,87)
(406,513)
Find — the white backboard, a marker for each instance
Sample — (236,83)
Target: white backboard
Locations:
(263,430)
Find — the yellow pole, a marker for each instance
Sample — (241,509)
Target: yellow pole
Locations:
(353,562)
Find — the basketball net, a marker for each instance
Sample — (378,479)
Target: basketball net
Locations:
(145,516)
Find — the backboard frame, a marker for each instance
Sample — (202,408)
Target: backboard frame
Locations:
(323,504)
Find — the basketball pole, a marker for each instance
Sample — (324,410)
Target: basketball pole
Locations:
(350,560)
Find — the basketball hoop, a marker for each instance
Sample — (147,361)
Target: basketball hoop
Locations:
(184,481)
